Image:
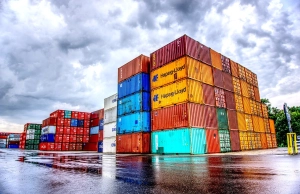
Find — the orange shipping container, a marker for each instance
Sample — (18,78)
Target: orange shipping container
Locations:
(267,125)
(241,121)
(274,140)
(249,123)
(253,107)
(140,143)
(255,121)
(206,74)
(234,69)
(256,94)
(251,92)
(246,103)
(236,86)
(249,78)
(261,124)
(272,125)
(216,59)
(264,110)
(263,138)
(269,140)
(244,87)
(259,110)
(242,74)
(239,103)
(255,82)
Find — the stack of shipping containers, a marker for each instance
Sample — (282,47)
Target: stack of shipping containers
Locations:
(109,128)
(13,140)
(3,140)
(22,140)
(133,109)
(33,133)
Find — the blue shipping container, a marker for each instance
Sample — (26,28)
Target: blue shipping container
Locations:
(74,122)
(13,146)
(100,146)
(134,103)
(135,122)
(137,83)
(101,124)
(68,114)
(47,138)
(80,123)
(179,141)
(94,130)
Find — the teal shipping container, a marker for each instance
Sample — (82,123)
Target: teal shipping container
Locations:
(68,114)
(222,118)
(134,103)
(179,141)
(224,140)
(135,122)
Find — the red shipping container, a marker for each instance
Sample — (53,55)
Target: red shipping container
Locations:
(78,146)
(47,146)
(58,114)
(59,130)
(67,122)
(94,115)
(227,81)
(94,122)
(208,95)
(100,135)
(85,139)
(66,138)
(73,139)
(225,64)
(86,131)
(94,138)
(79,130)
(235,140)
(218,78)
(232,120)
(65,147)
(67,130)
(101,114)
(81,115)
(124,144)
(90,147)
(60,122)
(52,121)
(72,147)
(58,138)
(87,116)
(79,138)
(212,141)
(57,146)
(220,97)
(137,65)
(140,143)
(230,100)
(86,123)
(74,115)
(73,130)
(44,124)
(184,115)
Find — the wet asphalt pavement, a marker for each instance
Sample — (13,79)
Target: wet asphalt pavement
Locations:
(41,172)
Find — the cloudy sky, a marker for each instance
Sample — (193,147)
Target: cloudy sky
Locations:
(65,54)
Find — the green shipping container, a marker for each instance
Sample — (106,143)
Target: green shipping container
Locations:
(68,114)
(38,126)
(35,147)
(29,141)
(179,141)
(37,132)
(29,147)
(224,136)
(31,126)
(37,137)
(222,118)
(36,141)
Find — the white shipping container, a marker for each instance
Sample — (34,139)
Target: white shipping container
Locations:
(30,131)
(110,115)
(48,129)
(110,130)
(109,145)
(29,137)
(110,102)
(2,140)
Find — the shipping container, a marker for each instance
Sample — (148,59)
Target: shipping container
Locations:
(177,49)
(179,141)
(218,78)
(232,120)
(220,97)
(123,143)
(267,126)
(249,122)
(224,137)
(263,138)
(48,129)
(13,146)
(256,94)
(259,109)
(207,74)
(242,74)
(110,115)
(185,67)
(251,92)
(47,146)
(58,114)
(256,126)
(137,83)
(208,95)
(251,140)
(216,59)
(212,141)
(234,68)
(225,64)
(246,103)
(110,102)
(239,103)
(185,90)
(255,82)
(140,64)
(244,140)
(264,109)
(227,82)
(133,103)
(230,100)
(94,130)
(94,122)
(261,124)
(274,140)
(110,130)
(135,122)
(241,121)
(244,87)
(222,118)
(109,145)
(253,107)
(133,143)
(184,116)
(90,146)
(272,125)
(236,86)
(47,138)
(249,77)
(269,140)
(100,147)
(235,140)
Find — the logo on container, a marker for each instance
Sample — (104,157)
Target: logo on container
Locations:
(155,78)
(113,129)
(171,94)
(113,144)
(155,98)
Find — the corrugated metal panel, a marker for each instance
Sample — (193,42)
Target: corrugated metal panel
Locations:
(261,124)
(222,118)
(274,140)
(225,64)
(123,144)
(251,92)
(236,86)
(137,65)
(249,78)
(235,140)
(239,103)
(272,125)
(220,97)
(208,118)
(133,103)
(94,130)
(135,122)
(185,90)
(232,119)
(109,145)
(256,94)
(255,82)
(137,83)
(253,107)
(110,130)
(242,74)
(207,74)
(110,115)
(255,121)
(263,138)
(230,100)
(241,121)
(218,78)
(269,140)
(216,59)
(141,143)
(227,81)
(258,140)
(249,122)
(110,101)
(246,103)
(259,110)
(212,141)
(267,126)
(208,95)
(224,140)
(234,68)
(244,86)
(204,54)
(251,140)
(198,141)
(185,67)
(264,111)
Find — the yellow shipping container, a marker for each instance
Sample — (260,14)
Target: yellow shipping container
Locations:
(265,110)
(206,74)
(244,86)
(251,92)
(267,126)
(185,90)
(249,124)
(261,124)
(241,121)
(272,125)
(246,103)
(255,121)
(236,86)
(253,107)
(239,103)
(185,67)
(244,143)
(259,109)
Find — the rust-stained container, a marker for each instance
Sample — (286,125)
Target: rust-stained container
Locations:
(236,86)
(249,123)
(208,95)
(185,90)
(261,124)
(267,126)
(137,65)
(256,94)
(253,107)
(179,48)
(235,140)
(218,78)
(269,140)
(184,115)
(242,74)
(251,92)
(244,86)
(239,103)
(264,109)
(259,109)
(232,120)
(140,143)
(274,140)
(123,143)
(185,67)
(241,121)
(212,140)
(264,143)
(256,126)
(207,74)
(216,59)
(225,64)
(244,140)
(230,100)
(272,125)
(247,107)
(234,68)
(220,97)
(248,74)
(227,81)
